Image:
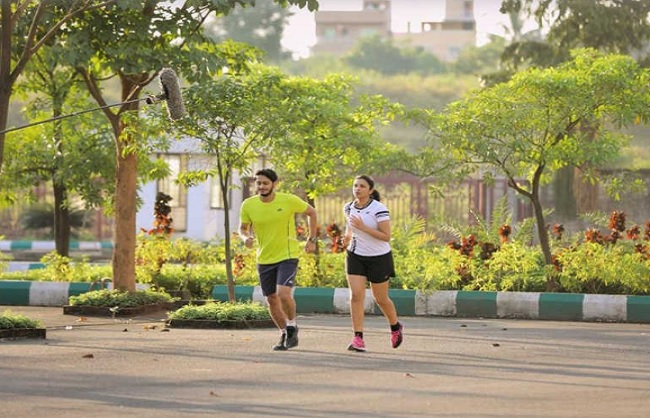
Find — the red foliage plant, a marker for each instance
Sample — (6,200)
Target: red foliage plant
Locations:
(162,224)
(633,233)
(617,221)
(504,233)
(334,232)
(646,233)
(240,265)
(594,235)
(557,231)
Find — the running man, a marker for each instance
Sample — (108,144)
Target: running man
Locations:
(268,218)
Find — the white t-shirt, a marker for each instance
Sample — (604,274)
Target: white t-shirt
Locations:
(372,214)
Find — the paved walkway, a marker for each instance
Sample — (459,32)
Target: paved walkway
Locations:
(447,367)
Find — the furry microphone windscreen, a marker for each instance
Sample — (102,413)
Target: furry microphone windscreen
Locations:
(172,93)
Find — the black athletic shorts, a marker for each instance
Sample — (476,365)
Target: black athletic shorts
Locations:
(377,269)
(282,273)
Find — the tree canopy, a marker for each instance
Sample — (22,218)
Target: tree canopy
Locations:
(531,126)
(130,41)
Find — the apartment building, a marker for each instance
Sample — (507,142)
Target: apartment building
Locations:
(338,31)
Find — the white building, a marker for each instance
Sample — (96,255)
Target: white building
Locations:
(198,211)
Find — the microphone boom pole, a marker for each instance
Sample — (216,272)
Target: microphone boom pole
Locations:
(171,93)
(69,115)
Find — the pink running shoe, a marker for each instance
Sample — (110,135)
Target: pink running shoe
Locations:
(357,344)
(396,337)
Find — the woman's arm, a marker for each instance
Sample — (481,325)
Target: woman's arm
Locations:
(381,233)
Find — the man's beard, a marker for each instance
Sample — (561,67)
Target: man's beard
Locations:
(267,194)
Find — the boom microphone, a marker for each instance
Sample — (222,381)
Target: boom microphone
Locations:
(171,93)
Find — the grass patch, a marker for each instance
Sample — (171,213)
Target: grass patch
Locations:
(111,298)
(222,311)
(9,320)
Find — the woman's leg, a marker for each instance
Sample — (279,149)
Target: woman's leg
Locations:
(357,285)
(380,294)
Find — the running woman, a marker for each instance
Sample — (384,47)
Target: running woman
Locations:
(369,259)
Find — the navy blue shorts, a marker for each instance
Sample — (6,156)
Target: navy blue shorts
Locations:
(377,269)
(282,273)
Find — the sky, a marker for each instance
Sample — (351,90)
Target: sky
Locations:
(301,34)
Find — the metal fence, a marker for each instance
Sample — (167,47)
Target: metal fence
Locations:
(408,196)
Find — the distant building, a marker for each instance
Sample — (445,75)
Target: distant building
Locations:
(338,31)
(447,38)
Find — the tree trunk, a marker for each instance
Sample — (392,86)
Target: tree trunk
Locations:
(223,184)
(563,194)
(61,221)
(126,182)
(125,210)
(544,243)
(542,232)
(5,95)
(61,204)
(586,193)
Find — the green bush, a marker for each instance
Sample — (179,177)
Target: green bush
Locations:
(113,298)
(596,268)
(9,320)
(222,311)
(198,279)
(487,258)
(514,267)
(63,269)
(27,275)
(322,270)
(429,268)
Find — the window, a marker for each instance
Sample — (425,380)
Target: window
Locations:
(453,53)
(468,9)
(216,197)
(329,33)
(468,25)
(177,164)
(374,5)
(368,32)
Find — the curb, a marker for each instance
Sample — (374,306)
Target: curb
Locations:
(467,304)
(13,266)
(46,246)
(23,266)
(446,303)
(29,293)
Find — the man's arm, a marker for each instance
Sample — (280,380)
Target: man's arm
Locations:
(246,234)
(312,220)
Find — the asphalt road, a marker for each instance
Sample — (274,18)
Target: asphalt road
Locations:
(447,367)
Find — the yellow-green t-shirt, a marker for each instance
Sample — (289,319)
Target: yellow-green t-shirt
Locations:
(274,226)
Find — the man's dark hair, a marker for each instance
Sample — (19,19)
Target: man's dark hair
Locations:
(268,173)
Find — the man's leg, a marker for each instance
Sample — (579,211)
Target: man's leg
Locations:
(286,279)
(287,302)
(268,276)
(277,311)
